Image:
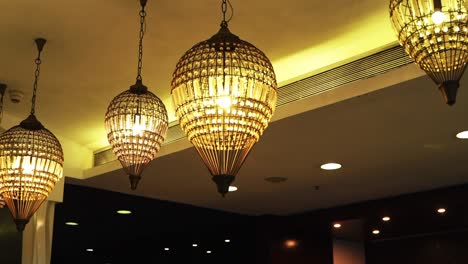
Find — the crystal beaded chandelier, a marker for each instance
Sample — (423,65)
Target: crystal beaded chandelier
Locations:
(434,33)
(224,90)
(31,161)
(136,121)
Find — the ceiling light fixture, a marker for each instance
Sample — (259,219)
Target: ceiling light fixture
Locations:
(330,166)
(227,240)
(232,188)
(224,91)
(386,218)
(463,135)
(434,33)
(71,223)
(166,249)
(136,121)
(124,212)
(194,245)
(375,231)
(31,161)
(208,251)
(337,225)
(441,210)
(291,243)
(90,250)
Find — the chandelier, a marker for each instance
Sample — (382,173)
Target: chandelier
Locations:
(31,161)
(224,90)
(136,121)
(434,33)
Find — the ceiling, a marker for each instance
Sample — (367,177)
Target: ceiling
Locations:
(396,140)
(91,53)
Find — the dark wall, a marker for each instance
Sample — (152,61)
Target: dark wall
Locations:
(448,248)
(415,234)
(314,242)
(10,239)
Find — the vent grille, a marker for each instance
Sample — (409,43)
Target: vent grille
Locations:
(360,69)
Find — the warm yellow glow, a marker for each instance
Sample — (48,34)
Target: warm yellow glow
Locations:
(224,102)
(124,212)
(438,17)
(224,105)
(337,225)
(330,166)
(436,40)
(71,223)
(339,48)
(386,218)
(463,135)
(136,126)
(375,231)
(441,210)
(232,188)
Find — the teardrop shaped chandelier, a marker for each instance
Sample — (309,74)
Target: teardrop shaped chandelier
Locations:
(434,34)
(136,121)
(224,90)
(31,161)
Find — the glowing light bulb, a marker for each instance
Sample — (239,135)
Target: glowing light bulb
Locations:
(224,102)
(438,17)
(137,128)
(26,164)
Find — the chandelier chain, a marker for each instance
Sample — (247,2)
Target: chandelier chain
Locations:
(224,8)
(37,72)
(140,45)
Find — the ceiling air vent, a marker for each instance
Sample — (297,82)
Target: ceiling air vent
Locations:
(360,69)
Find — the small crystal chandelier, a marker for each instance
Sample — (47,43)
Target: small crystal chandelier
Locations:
(224,90)
(31,161)
(434,33)
(136,121)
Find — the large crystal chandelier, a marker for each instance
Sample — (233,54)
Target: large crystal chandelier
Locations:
(435,35)
(136,121)
(224,90)
(31,162)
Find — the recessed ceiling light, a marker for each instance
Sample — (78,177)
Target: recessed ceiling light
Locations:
(208,252)
(194,245)
(441,210)
(386,218)
(166,249)
(375,231)
(71,223)
(89,250)
(124,212)
(337,225)
(330,166)
(232,188)
(463,135)
(227,240)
